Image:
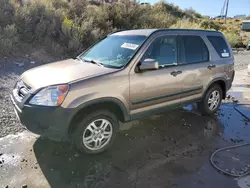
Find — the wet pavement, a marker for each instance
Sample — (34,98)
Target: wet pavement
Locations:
(170,150)
(241,86)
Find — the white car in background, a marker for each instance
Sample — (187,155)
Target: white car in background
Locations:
(248,48)
(248,69)
(248,45)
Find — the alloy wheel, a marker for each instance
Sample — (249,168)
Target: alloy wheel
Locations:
(97,134)
(213,100)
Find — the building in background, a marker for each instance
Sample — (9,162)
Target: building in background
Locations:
(144,3)
(240,16)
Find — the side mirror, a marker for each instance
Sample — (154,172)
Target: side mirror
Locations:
(149,64)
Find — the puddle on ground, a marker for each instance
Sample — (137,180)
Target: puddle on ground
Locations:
(233,160)
(235,125)
(244,109)
(243,96)
(241,85)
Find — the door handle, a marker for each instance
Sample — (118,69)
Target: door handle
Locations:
(175,73)
(211,66)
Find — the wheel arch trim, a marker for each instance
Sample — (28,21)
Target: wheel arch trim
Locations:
(224,90)
(99,101)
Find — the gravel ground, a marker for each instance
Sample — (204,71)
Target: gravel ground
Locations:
(9,73)
(8,121)
(242,59)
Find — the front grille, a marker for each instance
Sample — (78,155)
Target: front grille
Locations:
(22,89)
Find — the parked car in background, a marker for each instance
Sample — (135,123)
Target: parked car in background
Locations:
(248,69)
(248,45)
(245,25)
(126,76)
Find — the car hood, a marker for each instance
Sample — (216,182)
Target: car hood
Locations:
(61,72)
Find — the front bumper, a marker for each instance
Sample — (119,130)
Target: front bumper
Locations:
(51,122)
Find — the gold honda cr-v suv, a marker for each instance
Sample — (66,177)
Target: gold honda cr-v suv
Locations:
(125,76)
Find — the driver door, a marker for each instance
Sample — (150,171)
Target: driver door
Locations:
(154,90)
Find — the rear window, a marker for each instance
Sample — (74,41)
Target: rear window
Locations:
(195,49)
(220,46)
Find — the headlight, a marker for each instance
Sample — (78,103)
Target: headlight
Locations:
(50,96)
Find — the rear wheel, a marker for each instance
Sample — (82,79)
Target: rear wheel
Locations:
(96,132)
(212,100)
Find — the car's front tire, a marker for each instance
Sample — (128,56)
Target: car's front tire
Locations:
(96,132)
(211,101)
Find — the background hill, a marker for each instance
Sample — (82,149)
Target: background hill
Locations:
(67,27)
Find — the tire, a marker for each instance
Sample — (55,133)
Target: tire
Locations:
(204,105)
(83,130)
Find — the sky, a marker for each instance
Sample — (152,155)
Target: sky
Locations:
(211,7)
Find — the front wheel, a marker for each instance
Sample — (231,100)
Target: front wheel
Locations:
(212,100)
(96,132)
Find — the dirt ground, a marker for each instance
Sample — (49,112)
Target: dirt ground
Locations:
(170,150)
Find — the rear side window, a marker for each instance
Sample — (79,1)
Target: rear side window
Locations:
(220,46)
(195,50)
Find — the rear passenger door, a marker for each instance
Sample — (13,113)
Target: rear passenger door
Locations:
(194,64)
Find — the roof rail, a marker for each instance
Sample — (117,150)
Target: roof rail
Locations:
(116,32)
(183,29)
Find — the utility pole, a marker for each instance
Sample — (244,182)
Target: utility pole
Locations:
(223,9)
(225,18)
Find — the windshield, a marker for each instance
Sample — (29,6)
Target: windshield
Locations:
(114,51)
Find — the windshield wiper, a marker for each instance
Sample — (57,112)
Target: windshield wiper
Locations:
(93,62)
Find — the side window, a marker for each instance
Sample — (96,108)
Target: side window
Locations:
(220,46)
(195,50)
(164,50)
